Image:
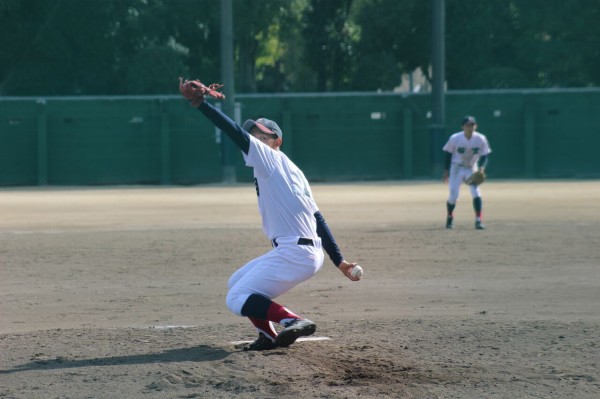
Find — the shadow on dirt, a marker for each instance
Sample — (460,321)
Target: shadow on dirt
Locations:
(199,353)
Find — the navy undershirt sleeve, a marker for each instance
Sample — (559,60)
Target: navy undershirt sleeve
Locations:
(447,160)
(327,240)
(482,161)
(235,132)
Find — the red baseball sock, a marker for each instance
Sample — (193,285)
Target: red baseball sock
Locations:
(280,314)
(264,326)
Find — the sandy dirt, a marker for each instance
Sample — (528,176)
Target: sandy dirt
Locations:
(120,293)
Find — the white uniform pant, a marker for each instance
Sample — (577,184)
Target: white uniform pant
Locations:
(457,176)
(275,272)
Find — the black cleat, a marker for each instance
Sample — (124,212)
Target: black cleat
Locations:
(262,343)
(450,222)
(479,225)
(293,330)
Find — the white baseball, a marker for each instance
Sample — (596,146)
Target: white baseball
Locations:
(357,271)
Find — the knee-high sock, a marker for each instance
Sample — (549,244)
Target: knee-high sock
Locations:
(477,206)
(264,326)
(450,208)
(260,307)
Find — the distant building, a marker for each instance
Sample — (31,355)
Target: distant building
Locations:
(414,82)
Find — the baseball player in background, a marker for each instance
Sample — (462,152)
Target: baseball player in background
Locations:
(466,152)
(292,222)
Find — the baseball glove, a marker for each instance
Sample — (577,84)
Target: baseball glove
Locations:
(195,91)
(476,178)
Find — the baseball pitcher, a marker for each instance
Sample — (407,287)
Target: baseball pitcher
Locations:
(290,219)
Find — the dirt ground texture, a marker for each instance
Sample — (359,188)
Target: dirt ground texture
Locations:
(120,293)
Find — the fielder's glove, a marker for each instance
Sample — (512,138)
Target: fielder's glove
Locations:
(476,178)
(194,91)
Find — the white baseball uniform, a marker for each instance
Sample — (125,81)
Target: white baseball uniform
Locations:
(465,153)
(287,208)
(293,223)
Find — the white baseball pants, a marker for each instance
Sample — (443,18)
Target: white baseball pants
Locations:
(457,176)
(275,272)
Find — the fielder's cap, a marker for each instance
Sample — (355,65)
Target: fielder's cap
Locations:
(469,119)
(265,125)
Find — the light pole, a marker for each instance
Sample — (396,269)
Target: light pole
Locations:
(438,63)
(227,147)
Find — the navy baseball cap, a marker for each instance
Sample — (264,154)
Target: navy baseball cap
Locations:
(265,125)
(469,119)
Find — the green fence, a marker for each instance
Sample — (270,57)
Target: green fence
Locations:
(332,137)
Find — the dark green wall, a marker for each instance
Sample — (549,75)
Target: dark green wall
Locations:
(332,137)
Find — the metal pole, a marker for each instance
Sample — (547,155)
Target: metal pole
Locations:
(438,63)
(165,138)
(227,147)
(42,145)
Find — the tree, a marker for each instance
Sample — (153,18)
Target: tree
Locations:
(560,42)
(522,43)
(257,32)
(328,42)
(94,47)
(480,45)
(106,47)
(394,38)
(27,62)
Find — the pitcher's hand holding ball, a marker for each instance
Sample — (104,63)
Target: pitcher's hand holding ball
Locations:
(351,270)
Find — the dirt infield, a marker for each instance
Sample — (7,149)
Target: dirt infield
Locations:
(120,293)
